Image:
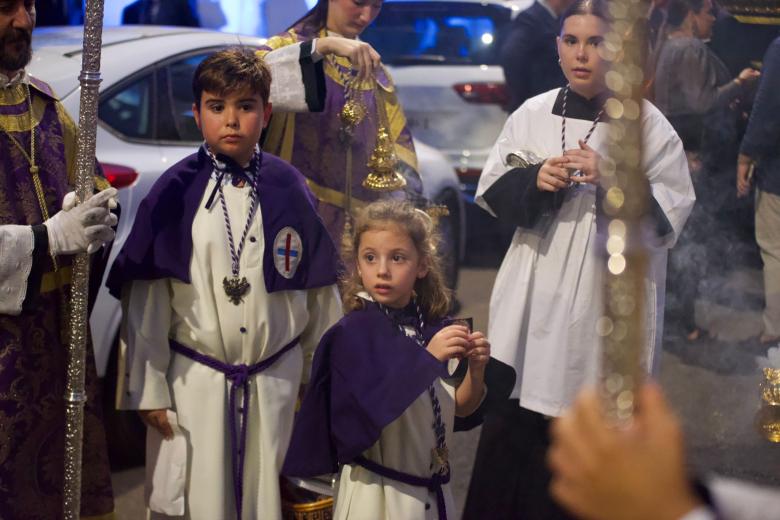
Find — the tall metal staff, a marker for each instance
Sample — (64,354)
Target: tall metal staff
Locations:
(75,395)
(625,204)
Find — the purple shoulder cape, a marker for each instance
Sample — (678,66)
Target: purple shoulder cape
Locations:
(160,242)
(42,87)
(364,375)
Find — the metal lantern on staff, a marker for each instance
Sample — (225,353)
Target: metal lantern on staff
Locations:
(75,396)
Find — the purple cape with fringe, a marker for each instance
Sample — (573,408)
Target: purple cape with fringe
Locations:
(365,374)
(160,243)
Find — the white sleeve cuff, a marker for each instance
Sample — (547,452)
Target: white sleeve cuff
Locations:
(288,91)
(315,56)
(16,258)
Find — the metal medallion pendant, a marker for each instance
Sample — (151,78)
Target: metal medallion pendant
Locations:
(440,460)
(235,288)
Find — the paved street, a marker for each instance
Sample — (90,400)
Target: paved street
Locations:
(713,384)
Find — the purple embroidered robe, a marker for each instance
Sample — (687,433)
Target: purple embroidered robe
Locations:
(33,352)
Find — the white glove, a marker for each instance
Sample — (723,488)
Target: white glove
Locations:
(85,227)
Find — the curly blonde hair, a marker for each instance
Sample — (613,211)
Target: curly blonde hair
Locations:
(431,292)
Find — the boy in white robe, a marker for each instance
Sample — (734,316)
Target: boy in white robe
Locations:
(227,284)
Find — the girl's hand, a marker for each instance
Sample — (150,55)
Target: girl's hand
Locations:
(586,160)
(157,419)
(479,353)
(552,175)
(450,342)
(361,55)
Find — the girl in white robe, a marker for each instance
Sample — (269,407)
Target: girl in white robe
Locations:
(381,401)
(542,175)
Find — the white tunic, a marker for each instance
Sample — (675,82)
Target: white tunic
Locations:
(404,445)
(200,315)
(16,259)
(548,292)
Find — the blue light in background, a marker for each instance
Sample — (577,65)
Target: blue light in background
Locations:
(260,17)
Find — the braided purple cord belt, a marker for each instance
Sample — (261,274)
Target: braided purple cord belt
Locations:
(238,375)
(433,483)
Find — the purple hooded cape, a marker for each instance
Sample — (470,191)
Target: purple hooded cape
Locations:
(364,375)
(160,242)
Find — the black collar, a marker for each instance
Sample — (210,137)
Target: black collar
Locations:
(579,107)
(223,164)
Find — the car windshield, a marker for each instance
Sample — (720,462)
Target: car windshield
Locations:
(438,33)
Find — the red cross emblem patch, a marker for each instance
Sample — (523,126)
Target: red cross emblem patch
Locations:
(288,250)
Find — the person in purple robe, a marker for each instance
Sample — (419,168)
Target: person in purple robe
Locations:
(334,143)
(385,393)
(41,228)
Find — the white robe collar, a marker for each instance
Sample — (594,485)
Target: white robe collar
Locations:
(18,78)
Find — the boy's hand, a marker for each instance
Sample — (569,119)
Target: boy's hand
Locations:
(479,353)
(450,342)
(157,419)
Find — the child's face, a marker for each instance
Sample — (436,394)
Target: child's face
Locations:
(389,265)
(232,124)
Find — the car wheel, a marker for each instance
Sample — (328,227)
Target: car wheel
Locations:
(125,432)
(449,230)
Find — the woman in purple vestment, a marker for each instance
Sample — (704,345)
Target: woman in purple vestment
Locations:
(325,149)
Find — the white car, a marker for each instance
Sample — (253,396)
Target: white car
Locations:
(146,125)
(443,56)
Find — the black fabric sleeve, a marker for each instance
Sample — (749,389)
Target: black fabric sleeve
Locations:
(313,74)
(662,225)
(499,380)
(40,256)
(704,494)
(514,198)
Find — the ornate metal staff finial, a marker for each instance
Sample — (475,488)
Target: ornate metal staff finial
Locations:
(75,396)
(626,201)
